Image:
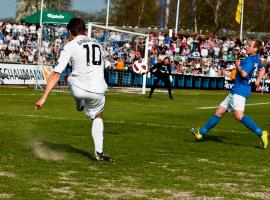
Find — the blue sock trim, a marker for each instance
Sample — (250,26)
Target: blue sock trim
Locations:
(250,124)
(212,122)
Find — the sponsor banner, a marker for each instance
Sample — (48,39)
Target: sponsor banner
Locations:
(55,16)
(265,85)
(228,84)
(17,72)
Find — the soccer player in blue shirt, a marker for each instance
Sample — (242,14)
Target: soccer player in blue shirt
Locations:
(241,90)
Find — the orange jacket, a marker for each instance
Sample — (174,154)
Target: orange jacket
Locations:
(232,74)
(120,65)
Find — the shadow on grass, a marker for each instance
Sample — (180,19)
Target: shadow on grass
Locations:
(211,138)
(67,149)
(219,139)
(112,132)
(214,138)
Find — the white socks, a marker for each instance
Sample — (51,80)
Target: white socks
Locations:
(97,134)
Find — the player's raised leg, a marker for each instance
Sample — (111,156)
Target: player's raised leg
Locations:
(211,123)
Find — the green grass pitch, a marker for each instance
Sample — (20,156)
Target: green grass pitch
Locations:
(46,154)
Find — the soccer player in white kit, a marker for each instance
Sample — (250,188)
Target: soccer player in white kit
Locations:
(86,81)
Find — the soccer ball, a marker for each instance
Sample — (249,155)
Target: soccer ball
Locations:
(139,67)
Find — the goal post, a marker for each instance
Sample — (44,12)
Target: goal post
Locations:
(93,31)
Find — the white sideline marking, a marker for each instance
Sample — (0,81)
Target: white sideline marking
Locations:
(116,122)
(139,104)
(205,108)
(83,119)
(32,94)
(248,104)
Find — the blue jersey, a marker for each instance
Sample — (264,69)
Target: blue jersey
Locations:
(242,85)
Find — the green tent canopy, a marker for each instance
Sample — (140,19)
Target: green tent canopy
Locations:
(49,17)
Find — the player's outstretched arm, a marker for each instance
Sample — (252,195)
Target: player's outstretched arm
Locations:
(51,83)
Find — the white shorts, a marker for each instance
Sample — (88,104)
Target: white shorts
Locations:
(94,102)
(234,102)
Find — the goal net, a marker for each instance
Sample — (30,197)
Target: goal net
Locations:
(122,48)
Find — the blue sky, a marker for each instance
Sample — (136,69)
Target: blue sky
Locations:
(8,7)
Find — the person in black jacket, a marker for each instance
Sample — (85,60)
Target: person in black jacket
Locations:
(162,72)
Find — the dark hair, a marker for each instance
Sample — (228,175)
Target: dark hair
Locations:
(258,44)
(76,26)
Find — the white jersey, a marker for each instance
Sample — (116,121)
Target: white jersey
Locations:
(86,56)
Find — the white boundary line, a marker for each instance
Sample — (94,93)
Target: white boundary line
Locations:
(84,119)
(139,104)
(248,104)
(115,122)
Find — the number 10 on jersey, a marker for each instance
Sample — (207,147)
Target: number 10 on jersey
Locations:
(96,54)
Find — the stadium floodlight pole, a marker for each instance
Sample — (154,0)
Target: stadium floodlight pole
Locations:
(108,9)
(242,19)
(39,39)
(41,21)
(177,16)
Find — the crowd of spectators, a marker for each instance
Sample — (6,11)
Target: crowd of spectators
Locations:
(19,43)
(190,54)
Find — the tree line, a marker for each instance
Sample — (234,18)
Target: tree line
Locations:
(195,15)
(211,15)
